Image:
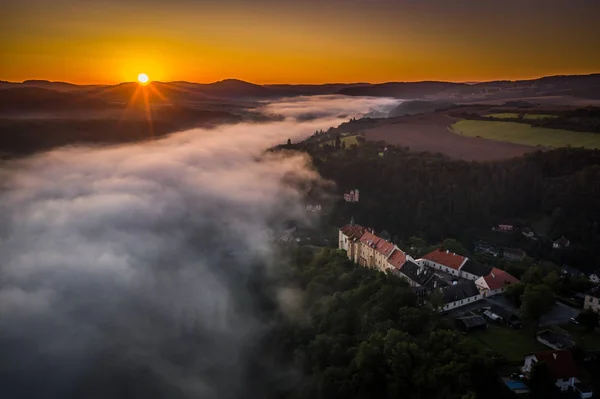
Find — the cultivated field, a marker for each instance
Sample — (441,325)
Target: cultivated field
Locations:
(512,115)
(522,133)
(429,133)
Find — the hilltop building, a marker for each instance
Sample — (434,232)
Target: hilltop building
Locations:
(352,196)
(460,279)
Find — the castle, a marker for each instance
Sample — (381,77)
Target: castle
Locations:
(461,280)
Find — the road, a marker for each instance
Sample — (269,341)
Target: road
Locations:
(560,313)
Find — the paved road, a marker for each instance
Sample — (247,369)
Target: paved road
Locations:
(560,314)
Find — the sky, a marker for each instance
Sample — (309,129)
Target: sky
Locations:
(290,41)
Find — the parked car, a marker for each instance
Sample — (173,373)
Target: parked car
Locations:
(573,320)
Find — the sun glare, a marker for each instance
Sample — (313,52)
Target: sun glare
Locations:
(143,78)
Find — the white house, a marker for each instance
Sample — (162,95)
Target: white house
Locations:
(592,299)
(594,278)
(560,364)
(495,282)
(561,243)
(460,294)
(443,260)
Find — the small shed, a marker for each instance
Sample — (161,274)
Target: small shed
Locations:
(468,323)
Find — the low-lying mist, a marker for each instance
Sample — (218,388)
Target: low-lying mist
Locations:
(124,270)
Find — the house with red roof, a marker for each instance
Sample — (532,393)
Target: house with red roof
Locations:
(397,259)
(562,368)
(348,237)
(366,248)
(444,260)
(495,282)
(374,251)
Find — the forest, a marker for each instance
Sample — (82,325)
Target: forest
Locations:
(430,196)
(363,334)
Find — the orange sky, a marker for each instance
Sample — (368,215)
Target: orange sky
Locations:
(285,41)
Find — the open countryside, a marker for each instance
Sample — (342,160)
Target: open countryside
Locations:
(521,133)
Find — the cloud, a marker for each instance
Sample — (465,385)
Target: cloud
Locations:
(124,270)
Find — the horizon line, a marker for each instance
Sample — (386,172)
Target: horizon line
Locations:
(537,77)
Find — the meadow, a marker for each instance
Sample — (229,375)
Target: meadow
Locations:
(522,133)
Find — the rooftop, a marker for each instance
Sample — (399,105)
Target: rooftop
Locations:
(379,244)
(445,258)
(353,230)
(560,363)
(499,278)
(476,268)
(556,339)
(460,291)
(397,259)
(472,321)
(418,274)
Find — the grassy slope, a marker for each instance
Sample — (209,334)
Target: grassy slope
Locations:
(522,133)
(514,345)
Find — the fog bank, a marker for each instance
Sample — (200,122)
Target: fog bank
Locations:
(124,270)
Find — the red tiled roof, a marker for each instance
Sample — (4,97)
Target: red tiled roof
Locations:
(499,278)
(353,230)
(397,259)
(560,363)
(448,259)
(379,244)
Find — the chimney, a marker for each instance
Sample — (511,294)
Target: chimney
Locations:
(554,355)
(493,275)
(447,251)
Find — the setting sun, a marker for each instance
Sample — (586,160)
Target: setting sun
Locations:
(143,78)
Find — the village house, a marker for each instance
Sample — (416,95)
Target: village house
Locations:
(562,368)
(495,282)
(367,249)
(472,270)
(416,275)
(504,227)
(352,196)
(592,299)
(528,233)
(460,294)
(561,243)
(443,260)
(374,251)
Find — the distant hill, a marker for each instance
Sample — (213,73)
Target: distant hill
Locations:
(418,107)
(579,86)
(39,99)
(408,90)
(310,90)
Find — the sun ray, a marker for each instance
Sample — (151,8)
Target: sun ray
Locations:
(148,112)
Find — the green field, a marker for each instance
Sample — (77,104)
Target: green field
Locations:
(514,115)
(522,133)
(514,345)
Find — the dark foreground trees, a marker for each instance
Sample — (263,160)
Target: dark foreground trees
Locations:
(433,197)
(363,335)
